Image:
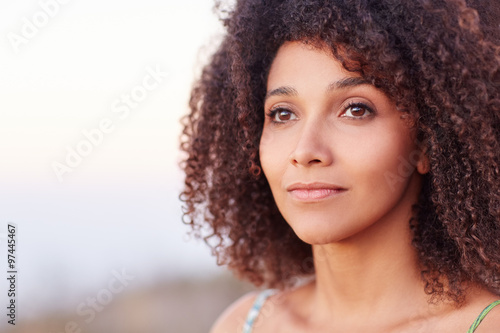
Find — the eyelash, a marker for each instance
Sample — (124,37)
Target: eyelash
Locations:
(273,112)
(358,105)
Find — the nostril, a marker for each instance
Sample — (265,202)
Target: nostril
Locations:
(305,160)
(311,153)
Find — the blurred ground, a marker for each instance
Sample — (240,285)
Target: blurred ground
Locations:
(182,306)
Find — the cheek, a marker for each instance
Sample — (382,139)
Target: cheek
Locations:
(382,158)
(269,154)
(274,152)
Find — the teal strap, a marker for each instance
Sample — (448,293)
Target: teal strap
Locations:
(263,296)
(255,310)
(481,316)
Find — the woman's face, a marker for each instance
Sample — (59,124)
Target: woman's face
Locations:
(337,154)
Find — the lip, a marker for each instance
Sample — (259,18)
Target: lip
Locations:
(311,192)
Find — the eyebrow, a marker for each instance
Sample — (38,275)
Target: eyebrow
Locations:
(282,91)
(340,84)
(348,82)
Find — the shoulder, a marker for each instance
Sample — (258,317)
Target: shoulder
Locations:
(233,318)
(491,320)
(275,308)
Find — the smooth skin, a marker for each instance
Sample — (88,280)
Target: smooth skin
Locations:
(345,169)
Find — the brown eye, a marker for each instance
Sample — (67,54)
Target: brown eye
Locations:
(357,111)
(283,115)
(280,115)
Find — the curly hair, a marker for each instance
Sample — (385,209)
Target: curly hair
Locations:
(437,59)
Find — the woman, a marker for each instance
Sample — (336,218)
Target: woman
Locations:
(346,154)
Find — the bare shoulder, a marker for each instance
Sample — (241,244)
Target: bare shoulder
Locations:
(233,318)
(491,321)
(277,311)
(481,312)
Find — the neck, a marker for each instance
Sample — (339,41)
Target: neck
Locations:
(370,274)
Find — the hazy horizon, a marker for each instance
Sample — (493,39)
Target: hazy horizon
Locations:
(116,206)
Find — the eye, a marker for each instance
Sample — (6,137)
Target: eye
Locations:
(357,111)
(281,115)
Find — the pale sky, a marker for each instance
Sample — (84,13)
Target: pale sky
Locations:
(66,78)
(117,207)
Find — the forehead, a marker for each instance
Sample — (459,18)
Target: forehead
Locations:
(296,62)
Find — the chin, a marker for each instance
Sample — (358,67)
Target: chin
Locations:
(322,232)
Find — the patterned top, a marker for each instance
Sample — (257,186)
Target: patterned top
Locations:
(255,310)
(264,295)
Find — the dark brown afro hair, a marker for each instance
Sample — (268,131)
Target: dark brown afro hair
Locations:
(437,59)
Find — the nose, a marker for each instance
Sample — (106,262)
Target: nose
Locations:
(313,146)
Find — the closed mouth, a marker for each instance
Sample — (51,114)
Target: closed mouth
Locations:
(314,191)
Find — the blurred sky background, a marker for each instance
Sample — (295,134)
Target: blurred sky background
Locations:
(119,208)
